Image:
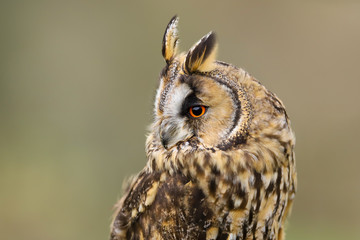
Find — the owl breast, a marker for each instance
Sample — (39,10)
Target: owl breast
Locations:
(245,192)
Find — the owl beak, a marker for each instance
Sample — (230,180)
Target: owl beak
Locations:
(172,132)
(164,140)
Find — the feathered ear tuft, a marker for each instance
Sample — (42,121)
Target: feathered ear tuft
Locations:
(202,55)
(170,40)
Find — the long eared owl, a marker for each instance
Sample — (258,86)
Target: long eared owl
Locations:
(220,154)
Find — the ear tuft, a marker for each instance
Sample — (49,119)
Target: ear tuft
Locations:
(170,40)
(202,55)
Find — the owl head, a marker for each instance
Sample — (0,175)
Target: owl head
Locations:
(207,101)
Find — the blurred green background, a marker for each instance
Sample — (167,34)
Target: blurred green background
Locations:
(77,80)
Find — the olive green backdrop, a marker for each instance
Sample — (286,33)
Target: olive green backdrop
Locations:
(77,80)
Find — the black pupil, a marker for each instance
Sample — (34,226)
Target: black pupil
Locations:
(197,110)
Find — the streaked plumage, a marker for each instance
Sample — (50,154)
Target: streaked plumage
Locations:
(226,172)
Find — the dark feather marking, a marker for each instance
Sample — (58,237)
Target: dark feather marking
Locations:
(244,202)
(199,170)
(240,169)
(285,188)
(183,78)
(245,229)
(222,236)
(230,203)
(211,149)
(281,212)
(204,47)
(251,215)
(214,170)
(212,186)
(239,191)
(269,189)
(254,230)
(247,223)
(277,184)
(258,183)
(237,140)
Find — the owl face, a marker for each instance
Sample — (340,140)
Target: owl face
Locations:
(211,102)
(197,107)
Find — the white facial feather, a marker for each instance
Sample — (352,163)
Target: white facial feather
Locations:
(175,100)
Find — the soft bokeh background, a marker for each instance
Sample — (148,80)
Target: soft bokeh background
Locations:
(77,80)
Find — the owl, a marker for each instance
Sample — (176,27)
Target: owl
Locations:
(220,154)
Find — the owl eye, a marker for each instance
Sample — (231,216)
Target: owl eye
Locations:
(197,111)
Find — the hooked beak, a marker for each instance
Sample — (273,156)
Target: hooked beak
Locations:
(172,132)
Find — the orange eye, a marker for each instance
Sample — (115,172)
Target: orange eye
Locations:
(197,111)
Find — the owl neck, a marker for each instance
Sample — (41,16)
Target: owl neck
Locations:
(194,159)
